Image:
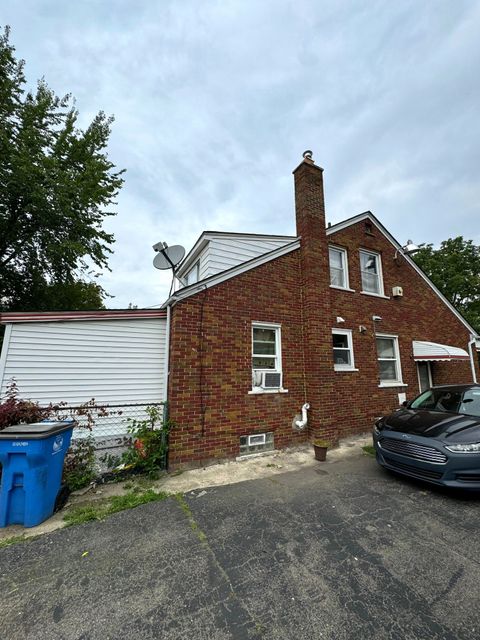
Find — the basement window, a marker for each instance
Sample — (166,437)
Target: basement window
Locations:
(256,443)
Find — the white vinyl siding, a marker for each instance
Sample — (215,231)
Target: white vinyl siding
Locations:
(113,361)
(225,252)
(204,263)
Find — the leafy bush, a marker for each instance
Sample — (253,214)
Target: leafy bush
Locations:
(79,467)
(14,411)
(148,449)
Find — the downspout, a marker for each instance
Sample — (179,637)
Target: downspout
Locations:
(167,350)
(472,361)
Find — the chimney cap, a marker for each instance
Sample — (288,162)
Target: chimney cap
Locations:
(307,159)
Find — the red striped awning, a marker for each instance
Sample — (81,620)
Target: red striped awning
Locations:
(435,351)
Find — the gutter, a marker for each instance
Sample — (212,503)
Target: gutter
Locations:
(472,342)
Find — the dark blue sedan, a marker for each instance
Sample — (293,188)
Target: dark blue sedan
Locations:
(435,437)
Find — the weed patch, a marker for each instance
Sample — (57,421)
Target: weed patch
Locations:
(188,512)
(103,509)
(6,542)
(369,449)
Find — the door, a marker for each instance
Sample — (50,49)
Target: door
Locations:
(424,375)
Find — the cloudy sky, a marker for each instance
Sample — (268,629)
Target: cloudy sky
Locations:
(215,101)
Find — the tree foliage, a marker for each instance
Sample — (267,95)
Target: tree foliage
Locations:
(455,269)
(56,185)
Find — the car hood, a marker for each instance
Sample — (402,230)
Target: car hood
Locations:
(433,424)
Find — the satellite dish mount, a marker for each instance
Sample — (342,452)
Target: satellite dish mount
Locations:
(168,257)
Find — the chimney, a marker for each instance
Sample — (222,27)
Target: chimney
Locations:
(310,218)
(315,283)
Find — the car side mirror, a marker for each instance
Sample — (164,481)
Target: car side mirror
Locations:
(405,404)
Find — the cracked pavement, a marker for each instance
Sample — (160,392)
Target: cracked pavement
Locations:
(334,551)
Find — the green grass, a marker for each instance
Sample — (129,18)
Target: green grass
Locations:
(369,449)
(103,509)
(6,542)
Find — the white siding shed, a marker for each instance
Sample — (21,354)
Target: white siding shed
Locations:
(116,358)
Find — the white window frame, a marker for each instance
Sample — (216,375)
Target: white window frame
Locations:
(381,290)
(344,254)
(278,356)
(349,334)
(399,381)
(194,270)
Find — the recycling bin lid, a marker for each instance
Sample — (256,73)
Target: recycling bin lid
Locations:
(36,430)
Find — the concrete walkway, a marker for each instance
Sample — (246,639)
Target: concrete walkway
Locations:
(225,473)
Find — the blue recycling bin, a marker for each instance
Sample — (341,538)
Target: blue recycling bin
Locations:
(32,457)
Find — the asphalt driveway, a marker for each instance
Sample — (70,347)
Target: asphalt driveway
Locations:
(335,551)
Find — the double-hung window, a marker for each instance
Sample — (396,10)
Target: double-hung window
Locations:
(389,361)
(338,267)
(266,356)
(371,270)
(343,350)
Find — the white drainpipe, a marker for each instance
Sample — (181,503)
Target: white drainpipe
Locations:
(167,351)
(301,424)
(472,361)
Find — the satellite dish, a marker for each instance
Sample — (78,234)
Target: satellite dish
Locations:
(168,257)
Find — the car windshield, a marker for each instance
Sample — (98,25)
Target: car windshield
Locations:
(465,401)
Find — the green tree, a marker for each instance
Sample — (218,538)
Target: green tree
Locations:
(56,187)
(455,269)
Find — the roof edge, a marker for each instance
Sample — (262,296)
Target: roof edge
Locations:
(15,317)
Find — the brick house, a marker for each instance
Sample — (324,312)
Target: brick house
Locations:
(337,317)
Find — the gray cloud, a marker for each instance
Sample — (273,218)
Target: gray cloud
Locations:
(215,101)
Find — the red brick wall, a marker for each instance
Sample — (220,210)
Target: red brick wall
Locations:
(419,315)
(217,366)
(210,348)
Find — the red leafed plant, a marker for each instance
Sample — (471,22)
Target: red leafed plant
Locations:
(15,411)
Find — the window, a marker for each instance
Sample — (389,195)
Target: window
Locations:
(193,275)
(338,267)
(256,443)
(266,357)
(342,350)
(371,270)
(389,361)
